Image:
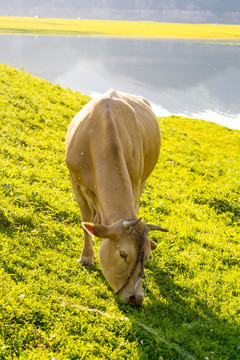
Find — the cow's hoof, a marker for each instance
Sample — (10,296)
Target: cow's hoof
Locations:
(86,261)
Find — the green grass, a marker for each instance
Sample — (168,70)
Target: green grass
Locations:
(52,308)
(27,25)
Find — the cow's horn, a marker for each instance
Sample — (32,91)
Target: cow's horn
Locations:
(128,224)
(156,227)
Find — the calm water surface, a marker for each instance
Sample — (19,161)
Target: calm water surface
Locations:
(183,77)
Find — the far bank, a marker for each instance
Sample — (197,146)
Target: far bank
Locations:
(144,29)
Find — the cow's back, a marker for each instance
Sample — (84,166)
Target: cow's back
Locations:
(112,147)
(148,127)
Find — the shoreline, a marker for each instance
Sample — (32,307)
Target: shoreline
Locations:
(109,28)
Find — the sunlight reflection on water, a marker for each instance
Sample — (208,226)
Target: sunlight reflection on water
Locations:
(208,115)
(182,77)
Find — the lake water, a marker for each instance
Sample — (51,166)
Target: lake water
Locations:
(199,79)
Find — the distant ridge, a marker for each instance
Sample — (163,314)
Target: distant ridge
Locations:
(191,11)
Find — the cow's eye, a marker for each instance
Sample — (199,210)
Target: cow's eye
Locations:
(123,254)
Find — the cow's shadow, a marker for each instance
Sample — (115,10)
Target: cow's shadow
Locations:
(181,324)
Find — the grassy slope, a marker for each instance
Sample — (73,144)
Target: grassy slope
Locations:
(116,28)
(192,305)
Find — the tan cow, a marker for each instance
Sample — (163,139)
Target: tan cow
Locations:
(112,146)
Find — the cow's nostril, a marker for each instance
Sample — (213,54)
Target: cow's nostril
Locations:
(135,300)
(132,300)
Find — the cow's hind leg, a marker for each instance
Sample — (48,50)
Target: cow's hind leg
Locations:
(87,255)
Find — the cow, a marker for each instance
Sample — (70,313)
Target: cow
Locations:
(112,146)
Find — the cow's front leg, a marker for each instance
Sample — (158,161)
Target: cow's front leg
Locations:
(87,255)
(87,252)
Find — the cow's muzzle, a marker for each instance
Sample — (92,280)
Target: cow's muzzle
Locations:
(134,300)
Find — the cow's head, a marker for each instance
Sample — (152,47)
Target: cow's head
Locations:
(125,248)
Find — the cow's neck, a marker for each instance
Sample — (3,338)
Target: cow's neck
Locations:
(114,192)
(116,202)
(110,215)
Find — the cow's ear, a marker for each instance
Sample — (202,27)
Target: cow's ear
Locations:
(97,230)
(153,244)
